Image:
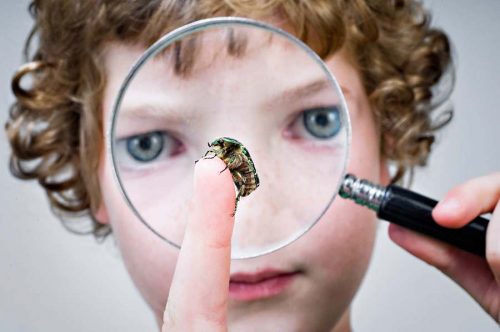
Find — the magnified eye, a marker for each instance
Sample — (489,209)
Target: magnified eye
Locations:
(145,150)
(145,147)
(322,122)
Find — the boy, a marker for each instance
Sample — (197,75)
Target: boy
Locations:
(383,55)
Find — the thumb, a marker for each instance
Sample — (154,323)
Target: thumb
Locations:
(198,295)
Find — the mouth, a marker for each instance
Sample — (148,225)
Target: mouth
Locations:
(261,285)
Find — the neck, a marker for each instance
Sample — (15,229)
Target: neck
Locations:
(344,324)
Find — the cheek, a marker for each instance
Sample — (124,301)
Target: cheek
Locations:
(353,227)
(365,160)
(346,234)
(344,241)
(149,261)
(337,252)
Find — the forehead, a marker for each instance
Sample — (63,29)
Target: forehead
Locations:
(263,60)
(269,70)
(219,49)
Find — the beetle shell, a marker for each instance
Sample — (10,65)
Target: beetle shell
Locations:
(239,162)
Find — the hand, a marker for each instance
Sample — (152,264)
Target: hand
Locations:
(479,277)
(199,292)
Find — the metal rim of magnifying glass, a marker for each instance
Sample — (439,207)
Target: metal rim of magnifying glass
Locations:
(201,25)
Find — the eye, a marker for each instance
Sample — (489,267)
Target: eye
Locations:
(145,147)
(323,122)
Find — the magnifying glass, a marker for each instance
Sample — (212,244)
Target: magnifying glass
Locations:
(246,82)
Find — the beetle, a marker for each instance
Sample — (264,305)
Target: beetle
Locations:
(239,162)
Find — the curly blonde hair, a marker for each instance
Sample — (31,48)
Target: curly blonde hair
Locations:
(53,124)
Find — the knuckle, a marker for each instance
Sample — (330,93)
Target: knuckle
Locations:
(461,190)
(445,260)
(210,323)
(219,244)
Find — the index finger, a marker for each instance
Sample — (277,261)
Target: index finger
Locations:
(200,287)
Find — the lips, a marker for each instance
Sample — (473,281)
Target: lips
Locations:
(261,285)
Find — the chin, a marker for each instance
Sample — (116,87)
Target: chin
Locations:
(282,315)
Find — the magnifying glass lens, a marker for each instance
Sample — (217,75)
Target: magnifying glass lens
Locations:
(239,79)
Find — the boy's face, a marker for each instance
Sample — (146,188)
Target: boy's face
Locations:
(322,269)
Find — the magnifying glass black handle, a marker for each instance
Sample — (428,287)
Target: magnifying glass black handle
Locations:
(414,211)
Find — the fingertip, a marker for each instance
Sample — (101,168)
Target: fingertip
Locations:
(448,207)
(449,212)
(209,181)
(206,167)
(396,233)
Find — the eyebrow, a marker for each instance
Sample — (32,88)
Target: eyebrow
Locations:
(153,110)
(305,90)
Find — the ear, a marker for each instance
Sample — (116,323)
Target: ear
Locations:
(101,215)
(385,178)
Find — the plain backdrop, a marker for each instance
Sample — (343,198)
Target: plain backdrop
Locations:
(51,280)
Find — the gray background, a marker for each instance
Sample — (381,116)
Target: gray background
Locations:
(51,280)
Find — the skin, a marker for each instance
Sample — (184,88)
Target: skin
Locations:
(328,282)
(478,277)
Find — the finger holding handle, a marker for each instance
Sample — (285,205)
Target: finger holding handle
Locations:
(479,277)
